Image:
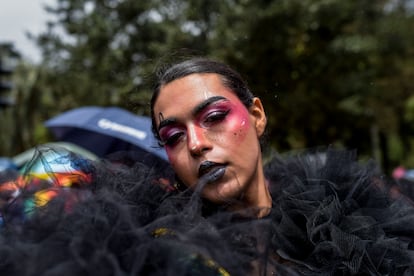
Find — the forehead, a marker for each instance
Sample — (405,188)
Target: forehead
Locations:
(180,95)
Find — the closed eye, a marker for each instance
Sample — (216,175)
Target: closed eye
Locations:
(171,140)
(215,117)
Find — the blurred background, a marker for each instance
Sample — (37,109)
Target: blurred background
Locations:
(330,72)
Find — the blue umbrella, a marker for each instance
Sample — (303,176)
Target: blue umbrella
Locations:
(105,131)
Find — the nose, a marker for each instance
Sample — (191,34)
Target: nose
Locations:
(197,141)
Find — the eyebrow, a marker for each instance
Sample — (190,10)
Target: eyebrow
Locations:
(196,110)
(200,107)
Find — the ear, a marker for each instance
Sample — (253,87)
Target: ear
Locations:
(259,116)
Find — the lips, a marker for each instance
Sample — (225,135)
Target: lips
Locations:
(210,171)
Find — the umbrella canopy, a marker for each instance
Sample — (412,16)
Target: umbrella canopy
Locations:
(24,158)
(105,131)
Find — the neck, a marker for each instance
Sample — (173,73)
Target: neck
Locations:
(256,200)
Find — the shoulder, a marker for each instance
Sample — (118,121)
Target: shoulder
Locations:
(335,214)
(336,171)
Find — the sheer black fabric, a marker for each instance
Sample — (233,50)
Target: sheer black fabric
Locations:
(335,216)
(331,216)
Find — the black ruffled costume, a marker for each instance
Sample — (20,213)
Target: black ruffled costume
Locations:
(331,216)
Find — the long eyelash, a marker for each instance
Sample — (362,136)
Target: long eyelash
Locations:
(222,114)
(226,112)
(172,139)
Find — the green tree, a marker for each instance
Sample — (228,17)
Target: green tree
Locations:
(329,71)
(109,48)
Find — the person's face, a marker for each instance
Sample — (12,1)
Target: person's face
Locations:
(209,134)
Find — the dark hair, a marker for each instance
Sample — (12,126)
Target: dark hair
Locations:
(230,78)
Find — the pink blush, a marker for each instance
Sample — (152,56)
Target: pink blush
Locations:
(238,122)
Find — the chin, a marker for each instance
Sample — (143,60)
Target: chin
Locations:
(224,193)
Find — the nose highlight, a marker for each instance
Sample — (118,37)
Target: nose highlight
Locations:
(195,149)
(197,142)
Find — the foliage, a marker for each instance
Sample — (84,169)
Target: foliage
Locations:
(329,71)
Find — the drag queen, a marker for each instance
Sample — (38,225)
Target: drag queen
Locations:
(319,213)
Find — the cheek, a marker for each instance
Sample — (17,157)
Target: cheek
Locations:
(172,156)
(233,130)
(238,124)
(176,161)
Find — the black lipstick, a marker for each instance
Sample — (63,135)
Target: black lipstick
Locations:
(209,172)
